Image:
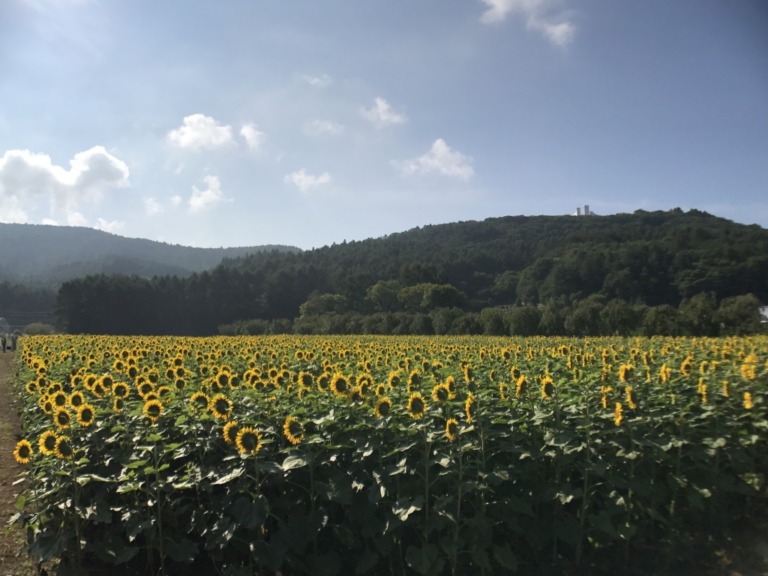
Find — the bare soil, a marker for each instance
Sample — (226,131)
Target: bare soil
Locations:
(13,556)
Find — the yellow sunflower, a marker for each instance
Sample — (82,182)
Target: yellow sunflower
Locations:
(200,400)
(221,407)
(383,407)
(120,390)
(617,414)
(230,431)
(339,385)
(86,414)
(23,452)
(470,407)
(248,440)
(547,388)
(452,429)
(293,430)
(631,396)
(153,410)
(63,448)
(440,393)
(61,418)
(417,405)
(47,443)
(748,401)
(117,405)
(76,399)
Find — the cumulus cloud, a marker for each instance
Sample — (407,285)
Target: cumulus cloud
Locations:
(112,227)
(543,16)
(208,196)
(318,127)
(381,114)
(29,181)
(199,131)
(441,159)
(152,206)
(305,181)
(252,135)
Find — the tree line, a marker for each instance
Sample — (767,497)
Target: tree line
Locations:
(644,273)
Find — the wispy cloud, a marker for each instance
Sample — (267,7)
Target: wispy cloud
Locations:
(320,81)
(381,114)
(152,207)
(200,131)
(305,181)
(441,159)
(203,199)
(28,179)
(318,127)
(113,226)
(544,16)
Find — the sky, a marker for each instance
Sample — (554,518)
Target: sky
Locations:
(314,122)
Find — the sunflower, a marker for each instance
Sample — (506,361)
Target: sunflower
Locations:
(221,407)
(625,372)
(153,409)
(230,431)
(470,407)
(61,418)
(63,448)
(293,430)
(631,396)
(23,452)
(547,388)
(725,388)
(117,405)
(85,414)
(687,366)
(617,414)
(76,399)
(145,387)
(248,440)
(322,382)
(440,393)
(120,390)
(383,407)
(339,385)
(47,443)
(748,401)
(450,383)
(452,429)
(356,394)
(417,406)
(604,391)
(200,400)
(503,391)
(179,384)
(59,399)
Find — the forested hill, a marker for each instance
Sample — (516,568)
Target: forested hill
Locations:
(627,273)
(49,255)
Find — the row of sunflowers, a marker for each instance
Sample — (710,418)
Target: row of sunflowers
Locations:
(387,455)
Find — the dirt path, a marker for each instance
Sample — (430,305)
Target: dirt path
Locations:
(13,559)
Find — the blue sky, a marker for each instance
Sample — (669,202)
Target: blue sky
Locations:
(312,122)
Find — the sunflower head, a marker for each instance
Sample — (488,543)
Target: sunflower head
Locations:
(85,414)
(63,448)
(23,452)
(452,429)
(248,440)
(383,407)
(221,407)
(617,414)
(230,431)
(417,406)
(117,405)
(47,443)
(61,418)
(153,410)
(440,393)
(293,430)
(200,400)
(470,407)
(339,385)
(547,388)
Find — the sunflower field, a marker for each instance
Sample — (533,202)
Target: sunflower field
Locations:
(388,455)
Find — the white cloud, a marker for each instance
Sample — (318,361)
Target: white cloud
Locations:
(252,135)
(200,131)
(29,181)
(381,114)
(440,159)
(317,81)
(176,200)
(544,16)
(152,206)
(304,181)
(210,196)
(112,227)
(318,127)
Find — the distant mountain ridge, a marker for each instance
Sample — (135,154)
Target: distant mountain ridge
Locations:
(50,255)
